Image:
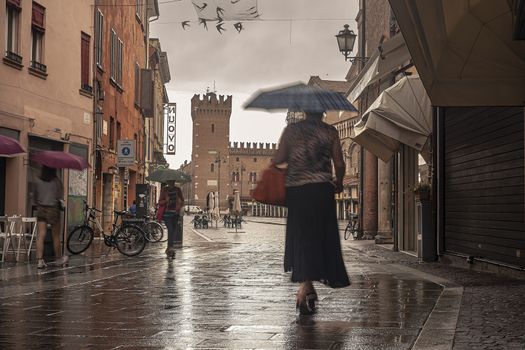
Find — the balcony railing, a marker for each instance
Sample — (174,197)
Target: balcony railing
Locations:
(13,57)
(39,66)
(87,88)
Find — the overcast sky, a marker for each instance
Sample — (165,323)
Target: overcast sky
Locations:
(267,52)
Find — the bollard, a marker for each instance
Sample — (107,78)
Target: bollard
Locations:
(426,237)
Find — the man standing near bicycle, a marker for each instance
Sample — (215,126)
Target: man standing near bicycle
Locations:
(172,200)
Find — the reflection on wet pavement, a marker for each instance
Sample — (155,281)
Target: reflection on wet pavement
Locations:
(229,293)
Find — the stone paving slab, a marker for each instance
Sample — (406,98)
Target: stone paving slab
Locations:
(223,290)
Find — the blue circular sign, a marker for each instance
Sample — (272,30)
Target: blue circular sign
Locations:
(126,151)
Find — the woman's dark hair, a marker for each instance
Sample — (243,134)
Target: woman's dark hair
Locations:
(48,174)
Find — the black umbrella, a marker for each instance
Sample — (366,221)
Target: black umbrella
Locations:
(165,175)
(300,97)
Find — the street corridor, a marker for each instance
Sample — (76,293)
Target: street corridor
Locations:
(223,290)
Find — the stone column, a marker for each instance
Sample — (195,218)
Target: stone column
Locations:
(384,232)
(370,196)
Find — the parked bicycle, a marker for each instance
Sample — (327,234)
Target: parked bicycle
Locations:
(153,230)
(352,228)
(129,239)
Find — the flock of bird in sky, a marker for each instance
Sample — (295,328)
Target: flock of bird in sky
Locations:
(220,11)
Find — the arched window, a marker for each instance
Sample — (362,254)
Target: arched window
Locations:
(212,167)
(213,128)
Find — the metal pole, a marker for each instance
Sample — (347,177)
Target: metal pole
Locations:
(362,149)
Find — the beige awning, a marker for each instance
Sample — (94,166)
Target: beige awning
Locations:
(387,59)
(463,50)
(401,114)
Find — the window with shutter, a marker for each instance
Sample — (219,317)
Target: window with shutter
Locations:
(84,62)
(99,38)
(137,85)
(113,49)
(120,46)
(37,37)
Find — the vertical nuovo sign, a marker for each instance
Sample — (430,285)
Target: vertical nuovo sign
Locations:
(170,113)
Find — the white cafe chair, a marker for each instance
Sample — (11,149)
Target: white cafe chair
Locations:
(31,223)
(5,235)
(10,229)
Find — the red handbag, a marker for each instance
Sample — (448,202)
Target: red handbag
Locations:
(270,189)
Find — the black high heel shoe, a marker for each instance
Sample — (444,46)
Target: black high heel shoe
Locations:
(308,306)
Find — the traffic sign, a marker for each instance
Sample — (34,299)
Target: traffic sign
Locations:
(125,153)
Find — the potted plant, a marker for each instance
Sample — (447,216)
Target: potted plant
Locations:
(422,191)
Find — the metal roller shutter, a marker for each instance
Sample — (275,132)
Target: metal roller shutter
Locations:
(484,183)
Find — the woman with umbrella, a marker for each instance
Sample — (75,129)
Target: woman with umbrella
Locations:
(48,196)
(171,202)
(312,247)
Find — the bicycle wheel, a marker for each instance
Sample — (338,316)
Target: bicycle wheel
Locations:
(130,240)
(154,231)
(348,231)
(80,239)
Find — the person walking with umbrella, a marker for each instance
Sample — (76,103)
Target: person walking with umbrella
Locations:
(48,196)
(309,147)
(312,247)
(172,200)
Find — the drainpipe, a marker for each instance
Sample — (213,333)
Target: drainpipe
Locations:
(94,144)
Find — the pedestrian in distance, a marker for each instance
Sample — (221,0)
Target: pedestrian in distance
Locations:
(172,201)
(133,209)
(48,196)
(312,246)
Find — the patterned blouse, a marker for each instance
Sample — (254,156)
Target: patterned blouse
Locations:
(309,157)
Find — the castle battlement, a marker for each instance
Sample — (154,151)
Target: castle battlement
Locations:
(252,148)
(211,101)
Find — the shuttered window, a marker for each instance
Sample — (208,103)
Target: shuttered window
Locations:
(113,56)
(38,16)
(137,85)
(99,39)
(120,47)
(84,62)
(37,37)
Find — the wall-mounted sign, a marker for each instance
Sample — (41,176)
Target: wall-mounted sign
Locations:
(170,112)
(125,153)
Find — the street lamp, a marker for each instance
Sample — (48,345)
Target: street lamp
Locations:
(345,41)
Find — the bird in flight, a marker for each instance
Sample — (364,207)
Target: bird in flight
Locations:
(220,29)
(185,24)
(238,26)
(203,22)
(235,1)
(204,5)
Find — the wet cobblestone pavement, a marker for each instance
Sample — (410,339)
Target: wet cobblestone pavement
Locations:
(222,290)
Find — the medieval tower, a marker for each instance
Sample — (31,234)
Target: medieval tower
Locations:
(210,156)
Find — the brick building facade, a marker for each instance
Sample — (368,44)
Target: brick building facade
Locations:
(121,48)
